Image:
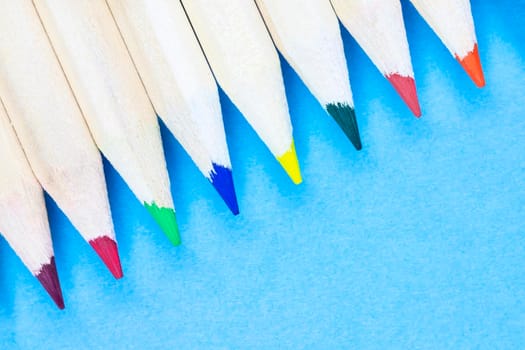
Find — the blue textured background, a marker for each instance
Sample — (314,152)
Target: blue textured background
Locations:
(415,242)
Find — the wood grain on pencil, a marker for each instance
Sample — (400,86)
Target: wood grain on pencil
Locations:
(180,84)
(307,34)
(246,65)
(453,23)
(378,27)
(112,99)
(51,128)
(23,222)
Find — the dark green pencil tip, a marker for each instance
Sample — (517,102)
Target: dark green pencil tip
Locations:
(167,221)
(344,115)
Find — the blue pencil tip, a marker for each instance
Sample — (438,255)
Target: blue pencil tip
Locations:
(222,180)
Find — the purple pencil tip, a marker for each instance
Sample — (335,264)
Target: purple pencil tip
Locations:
(48,277)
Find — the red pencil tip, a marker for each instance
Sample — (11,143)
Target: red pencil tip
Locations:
(406,88)
(472,65)
(106,248)
(48,277)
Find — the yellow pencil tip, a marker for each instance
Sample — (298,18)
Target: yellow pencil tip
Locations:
(290,163)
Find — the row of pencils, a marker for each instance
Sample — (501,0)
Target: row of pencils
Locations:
(81,76)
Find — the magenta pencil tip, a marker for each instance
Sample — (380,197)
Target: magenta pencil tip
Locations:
(107,249)
(48,277)
(406,88)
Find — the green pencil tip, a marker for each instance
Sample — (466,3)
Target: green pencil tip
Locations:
(344,115)
(167,221)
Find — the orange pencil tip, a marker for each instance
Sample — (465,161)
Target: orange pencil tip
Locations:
(472,65)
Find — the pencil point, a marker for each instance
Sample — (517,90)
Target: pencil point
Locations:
(107,250)
(48,277)
(222,180)
(406,88)
(472,65)
(344,115)
(290,163)
(166,219)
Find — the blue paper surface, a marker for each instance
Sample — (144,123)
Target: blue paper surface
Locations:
(415,242)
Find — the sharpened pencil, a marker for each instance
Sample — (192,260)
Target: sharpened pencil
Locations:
(307,34)
(180,84)
(453,23)
(112,99)
(378,27)
(51,128)
(246,65)
(23,222)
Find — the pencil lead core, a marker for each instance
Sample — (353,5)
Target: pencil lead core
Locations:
(48,277)
(290,163)
(406,88)
(166,219)
(107,250)
(472,65)
(222,180)
(344,115)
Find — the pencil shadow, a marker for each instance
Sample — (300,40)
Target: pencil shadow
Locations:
(73,255)
(360,69)
(120,199)
(6,285)
(186,180)
(237,131)
(499,20)
(248,158)
(302,105)
(63,241)
(234,123)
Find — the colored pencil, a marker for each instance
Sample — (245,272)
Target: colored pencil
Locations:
(23,222)
(179,83)
(112,99)
(246,65)
(378,27)
(307,34)
(453,23)
(51,129)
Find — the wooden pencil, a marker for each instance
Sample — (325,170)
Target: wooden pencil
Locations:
(246,65)
(51,129)
(307,34)
(23,222)
(180,84)
(453,23)
(378,27)
(112,99)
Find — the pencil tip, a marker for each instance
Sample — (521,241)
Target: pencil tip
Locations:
(290,163)
(166,219)
(222,180)
(472,65)
(406,88)
(107,250)
(48,277)
(344,115)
